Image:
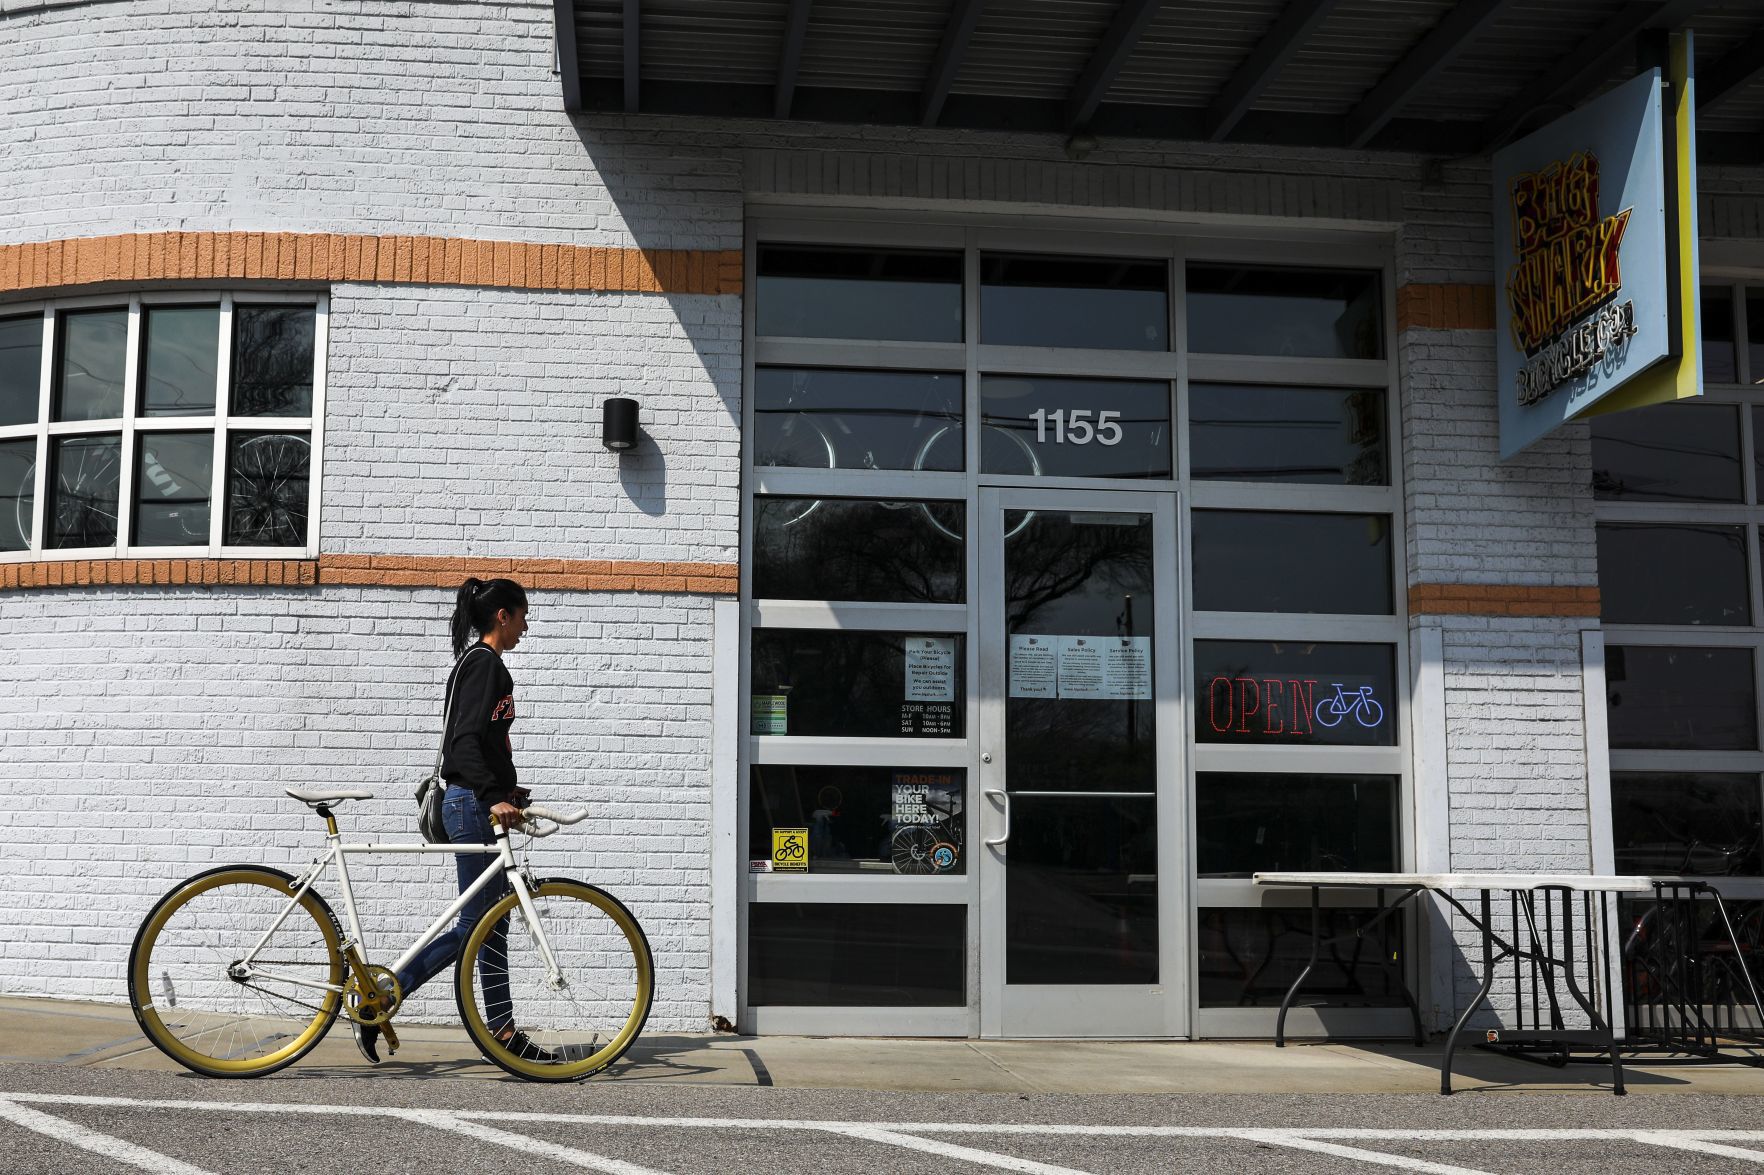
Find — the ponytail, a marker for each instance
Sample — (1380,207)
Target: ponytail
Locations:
(476,606)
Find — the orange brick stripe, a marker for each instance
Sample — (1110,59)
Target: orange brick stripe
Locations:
(1503,599)
(446,261)
(570,575)
(1460,306)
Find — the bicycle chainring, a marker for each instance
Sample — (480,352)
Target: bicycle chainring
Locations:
(377,1008)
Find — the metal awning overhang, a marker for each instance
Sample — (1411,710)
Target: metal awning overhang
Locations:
(1443,77)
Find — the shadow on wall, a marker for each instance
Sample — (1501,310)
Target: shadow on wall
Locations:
(643,472)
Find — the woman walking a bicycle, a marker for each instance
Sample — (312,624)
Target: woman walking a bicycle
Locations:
(477,763)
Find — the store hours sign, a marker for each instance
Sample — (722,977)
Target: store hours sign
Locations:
(1582,302)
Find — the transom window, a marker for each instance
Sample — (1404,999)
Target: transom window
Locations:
(166,424)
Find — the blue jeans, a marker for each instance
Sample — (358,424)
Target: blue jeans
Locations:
(468,822)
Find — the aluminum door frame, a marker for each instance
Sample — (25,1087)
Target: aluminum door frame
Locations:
(1160,1010)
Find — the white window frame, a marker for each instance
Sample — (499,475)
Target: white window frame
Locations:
(132,424)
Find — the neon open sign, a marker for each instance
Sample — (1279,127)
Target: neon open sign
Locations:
(1289,707)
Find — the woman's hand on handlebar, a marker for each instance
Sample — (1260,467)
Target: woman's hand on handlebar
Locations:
(507,813)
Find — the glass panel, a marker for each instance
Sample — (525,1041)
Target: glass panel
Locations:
(1317,436)
(1686,825)
(84,484)
(1248,561)
(1081,890)
(812,419)
(847,549)
(1708,584)
(267,489)
(1262,823)
(1755,332)
(871,820)
(172,480)
(1079,620)
(182,342)
(1040,426)
(1075,302)
(1667,453)
(18,492)
(1715,317)
(1295,692)
(1681,699)
(858,684)
(856,955)
(21,368)
(93,348)
(1244,310)
(273,359)
(1249,958)
(811,291)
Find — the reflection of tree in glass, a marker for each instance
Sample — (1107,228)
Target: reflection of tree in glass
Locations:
(840,683)
(1104,560)
(272,360)
(87,478)
(855,550)
(22,489)
(267,490)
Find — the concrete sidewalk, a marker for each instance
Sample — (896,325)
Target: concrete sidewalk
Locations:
(105,1036)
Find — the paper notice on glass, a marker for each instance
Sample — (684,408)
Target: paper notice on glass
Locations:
(1127,668)
(1081,666)
(930,668)
(1035,666)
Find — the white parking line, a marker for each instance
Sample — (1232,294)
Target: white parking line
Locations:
(520,1142)
(950,1150)
(1687,1142)
(1297,1141)
(99,1144)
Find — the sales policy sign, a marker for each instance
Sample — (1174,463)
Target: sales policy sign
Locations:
(1582,297)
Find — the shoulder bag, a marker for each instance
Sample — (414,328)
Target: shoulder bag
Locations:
(431,789)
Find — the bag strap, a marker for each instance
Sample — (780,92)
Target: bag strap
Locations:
(447,707)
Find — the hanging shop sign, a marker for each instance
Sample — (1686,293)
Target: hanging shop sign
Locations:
(1590,219)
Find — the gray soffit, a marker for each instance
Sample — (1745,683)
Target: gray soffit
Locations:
(1444,77)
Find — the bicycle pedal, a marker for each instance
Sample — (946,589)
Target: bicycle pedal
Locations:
(390,1037)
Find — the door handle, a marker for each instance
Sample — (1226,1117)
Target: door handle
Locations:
(1005,802)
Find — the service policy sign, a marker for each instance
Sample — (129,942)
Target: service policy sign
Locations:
(1581,250)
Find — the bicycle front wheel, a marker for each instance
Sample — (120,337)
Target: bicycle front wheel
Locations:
(231,977)
(576,988)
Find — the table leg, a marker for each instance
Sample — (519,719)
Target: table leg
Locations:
(1316,933)
(1488,975)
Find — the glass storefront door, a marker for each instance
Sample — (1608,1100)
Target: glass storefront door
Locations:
(1081,916)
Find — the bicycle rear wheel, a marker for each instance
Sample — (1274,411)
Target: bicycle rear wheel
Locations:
(202,1006)
(579,1017)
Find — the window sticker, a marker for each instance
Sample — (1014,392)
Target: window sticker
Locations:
(790,852)
(771,713)
(930,669)
(1098,668)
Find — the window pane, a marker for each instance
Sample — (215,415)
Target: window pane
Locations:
(858,684)
(1317,436)
(21,368)
(1681,699)
(272,360)
(93,348)
(172,480)
(811,419)
(1249,561)
(1708,584)
(847,549)
(267,489)
(1715,316)
(1262,823)
(1244,310)
(1295,692)
(1684,824)
(1249,958)
(1755,332)
(1040,426)
(1667,453)
(182,342)
(1081,890)
(84,483)
(1075,302)
(856,955)
(811,291)
(871,820)
(18,493)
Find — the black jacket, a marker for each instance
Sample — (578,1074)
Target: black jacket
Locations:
(475,750)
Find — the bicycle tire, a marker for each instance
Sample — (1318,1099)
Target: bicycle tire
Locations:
(585,926)
(205,977)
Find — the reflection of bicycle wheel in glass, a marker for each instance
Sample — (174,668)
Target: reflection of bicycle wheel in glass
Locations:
(795,441)
(268,489)
(1020,460)
(87,475)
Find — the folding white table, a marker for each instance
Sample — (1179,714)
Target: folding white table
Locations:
(1542,944)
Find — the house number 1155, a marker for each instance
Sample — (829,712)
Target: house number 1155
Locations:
(1073,425)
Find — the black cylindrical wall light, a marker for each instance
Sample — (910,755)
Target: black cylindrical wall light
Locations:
(618,424)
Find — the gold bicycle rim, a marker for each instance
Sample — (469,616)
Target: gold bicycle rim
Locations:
(140,980)
(485,1038)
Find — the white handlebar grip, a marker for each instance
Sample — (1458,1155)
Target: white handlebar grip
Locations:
(534,811)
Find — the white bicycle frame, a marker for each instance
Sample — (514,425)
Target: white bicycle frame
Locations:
(504,865)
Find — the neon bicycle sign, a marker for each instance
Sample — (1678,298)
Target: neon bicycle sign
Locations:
(1273,707)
